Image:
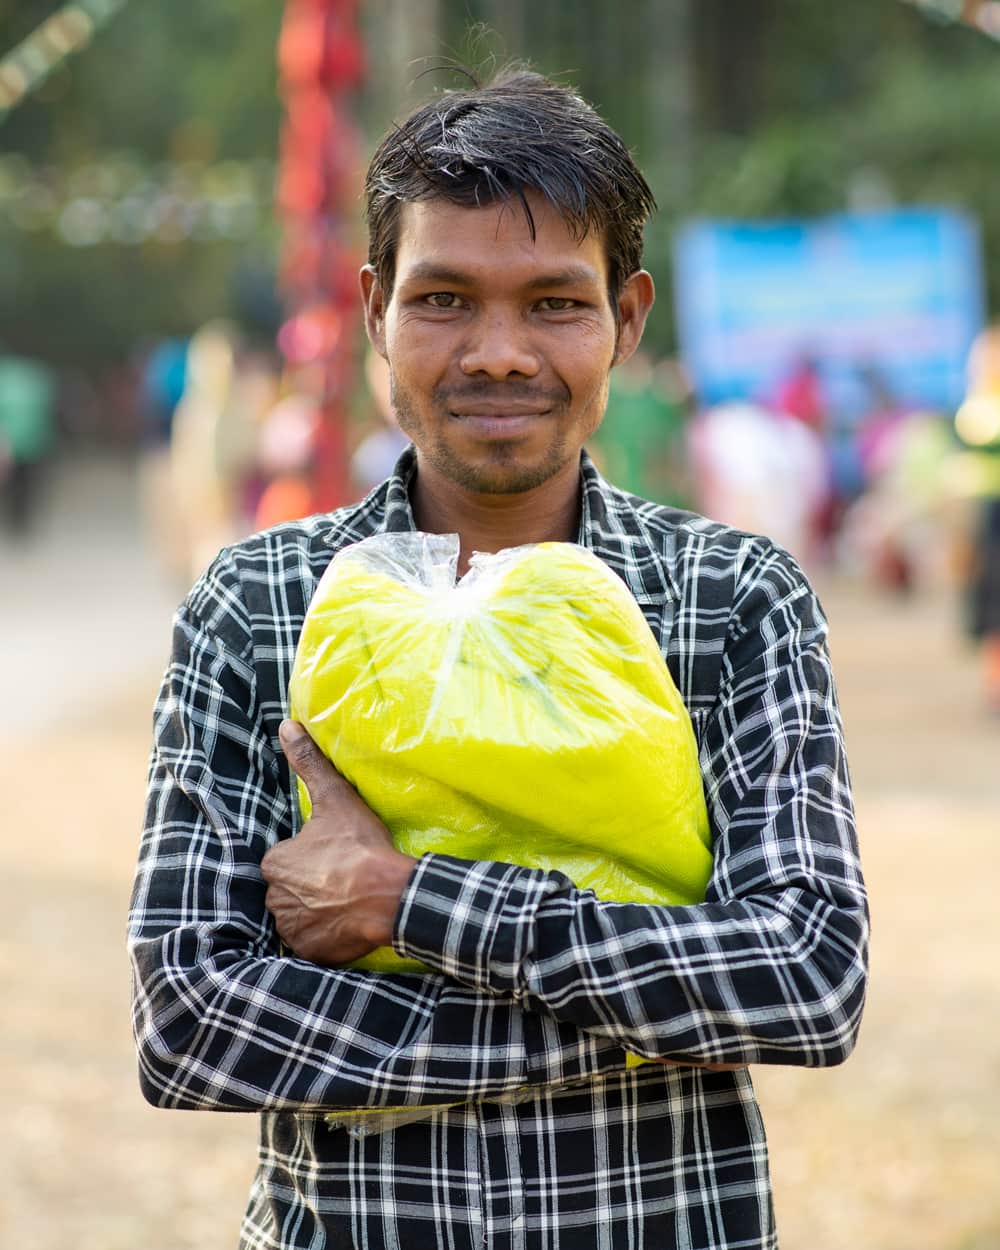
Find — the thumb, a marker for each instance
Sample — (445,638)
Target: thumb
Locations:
(320,777)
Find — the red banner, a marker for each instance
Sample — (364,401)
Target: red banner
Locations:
(321,66)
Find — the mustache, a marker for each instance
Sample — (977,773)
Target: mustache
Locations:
(498,393)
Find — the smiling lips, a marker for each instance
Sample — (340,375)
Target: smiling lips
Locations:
(502,419)
(506,422)
(505,409)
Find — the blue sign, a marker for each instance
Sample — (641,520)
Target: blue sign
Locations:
(898,294)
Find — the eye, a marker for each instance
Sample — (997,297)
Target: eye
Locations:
(557,303)
(442,299)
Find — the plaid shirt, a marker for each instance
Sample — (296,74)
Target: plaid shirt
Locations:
(541,985)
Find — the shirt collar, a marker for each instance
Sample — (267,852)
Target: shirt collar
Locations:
(398,513)
(611,526)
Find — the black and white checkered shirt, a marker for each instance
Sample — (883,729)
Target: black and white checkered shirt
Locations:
(540,984)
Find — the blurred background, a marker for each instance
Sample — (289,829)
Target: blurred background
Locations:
(181,362)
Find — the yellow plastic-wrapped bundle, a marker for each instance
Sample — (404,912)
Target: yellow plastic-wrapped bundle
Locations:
(523,714)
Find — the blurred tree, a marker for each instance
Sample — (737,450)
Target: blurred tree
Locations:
(163,89)
(755,109)
(150,70)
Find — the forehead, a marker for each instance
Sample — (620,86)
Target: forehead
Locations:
(494,241)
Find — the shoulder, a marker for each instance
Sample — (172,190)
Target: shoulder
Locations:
(268,578)
(706,560)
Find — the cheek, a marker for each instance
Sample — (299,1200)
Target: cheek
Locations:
(592,375)
(598,405)
(413,338)
(415,362)
(587,357)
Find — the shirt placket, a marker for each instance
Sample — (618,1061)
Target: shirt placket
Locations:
(503,1178)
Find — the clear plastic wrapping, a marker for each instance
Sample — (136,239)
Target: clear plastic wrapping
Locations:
(523,713)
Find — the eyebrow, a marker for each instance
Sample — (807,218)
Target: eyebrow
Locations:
(571,275)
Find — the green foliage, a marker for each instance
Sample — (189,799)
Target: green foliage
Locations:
(758,108)
(152,68)
(169,82)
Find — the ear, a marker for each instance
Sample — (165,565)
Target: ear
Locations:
(634,304)
(373,299)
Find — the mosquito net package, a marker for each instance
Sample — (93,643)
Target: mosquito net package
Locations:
(523,713)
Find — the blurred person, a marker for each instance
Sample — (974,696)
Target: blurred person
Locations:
(286,450)
(901,530)
(763,472)
(504,284)
(214,440)
(204,511)
(27,436)
(879,429)
(161,388)
(256,389)
(977,424)
(287,497)
(163,378)
(799,394)
(376,454)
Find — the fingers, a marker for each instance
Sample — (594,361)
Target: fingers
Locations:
(321,778)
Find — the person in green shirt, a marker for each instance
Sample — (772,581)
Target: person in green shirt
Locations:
(27,432)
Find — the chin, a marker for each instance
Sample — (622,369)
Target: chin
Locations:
(503,474)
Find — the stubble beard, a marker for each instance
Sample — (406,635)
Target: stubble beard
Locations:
(500,474)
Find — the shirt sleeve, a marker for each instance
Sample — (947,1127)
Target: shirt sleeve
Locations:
(223,1018)
(771,967)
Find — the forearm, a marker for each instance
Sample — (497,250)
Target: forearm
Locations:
(225,1021)
(239,1033)
(757,981)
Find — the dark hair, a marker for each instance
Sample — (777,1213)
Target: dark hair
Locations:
(496,140)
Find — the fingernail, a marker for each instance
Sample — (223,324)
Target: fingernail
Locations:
(290,731)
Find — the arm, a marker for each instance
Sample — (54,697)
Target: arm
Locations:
(771,967)
(223,1019)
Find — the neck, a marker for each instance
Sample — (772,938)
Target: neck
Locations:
(546,513)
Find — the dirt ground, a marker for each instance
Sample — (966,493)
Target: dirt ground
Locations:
(897,1150)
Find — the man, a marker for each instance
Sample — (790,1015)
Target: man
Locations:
(505,282)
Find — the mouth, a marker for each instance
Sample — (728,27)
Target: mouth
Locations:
(505,422)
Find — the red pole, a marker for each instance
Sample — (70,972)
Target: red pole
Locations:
(321,65)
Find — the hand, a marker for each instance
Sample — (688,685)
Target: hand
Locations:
(334,890)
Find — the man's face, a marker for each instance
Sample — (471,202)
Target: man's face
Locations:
(499,346)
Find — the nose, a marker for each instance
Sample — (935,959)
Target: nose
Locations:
(498,346)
